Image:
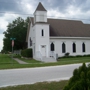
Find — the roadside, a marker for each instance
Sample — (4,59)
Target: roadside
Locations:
(40,86)
(32,75)
(6,62)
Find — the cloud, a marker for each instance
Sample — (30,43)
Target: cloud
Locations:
(1,41)
(3,24)
(5,19)
(7,6)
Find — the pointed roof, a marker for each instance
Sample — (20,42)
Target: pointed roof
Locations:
(40,7)
(66,28)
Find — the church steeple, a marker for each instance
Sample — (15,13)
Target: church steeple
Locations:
(40,7)
(40,14)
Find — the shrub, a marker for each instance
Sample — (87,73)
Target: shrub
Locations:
(79,56)
(80,79)
(87,55)
(16,56)
(67,54)
(27,53)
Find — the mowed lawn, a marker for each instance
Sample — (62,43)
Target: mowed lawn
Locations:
(62,60)
(39,86)
(6,62)
(5,59)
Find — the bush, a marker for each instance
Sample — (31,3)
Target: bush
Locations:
(16,56)
(87,55)
(79,56)
(27,53)
(67,54)
(80,79)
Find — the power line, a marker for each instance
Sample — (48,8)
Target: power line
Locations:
(48,16)
(15,13)
(70,18)
(32,15)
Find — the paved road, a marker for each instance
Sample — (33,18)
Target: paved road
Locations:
(32,75)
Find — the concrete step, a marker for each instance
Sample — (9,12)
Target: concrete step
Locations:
(48,59)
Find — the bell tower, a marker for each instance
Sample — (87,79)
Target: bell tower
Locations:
(41,28)
(40,14)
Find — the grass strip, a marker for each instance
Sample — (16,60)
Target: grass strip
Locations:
(40,86)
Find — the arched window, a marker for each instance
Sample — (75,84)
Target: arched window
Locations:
(83,47)
(42,32)
(74,47)
(52,47)
(63,48)
(30,42)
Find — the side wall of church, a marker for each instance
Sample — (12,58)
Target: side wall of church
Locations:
(69,46)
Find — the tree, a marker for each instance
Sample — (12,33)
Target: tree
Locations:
(80,79)
(17,29)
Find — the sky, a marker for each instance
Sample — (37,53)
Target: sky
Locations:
(62,9)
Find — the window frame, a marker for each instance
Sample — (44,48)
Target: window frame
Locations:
(42,33)
(83,47)
(63,47)
(52,47)
(30,42)
(74,47)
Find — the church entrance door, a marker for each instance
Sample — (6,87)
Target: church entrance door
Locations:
(43,50)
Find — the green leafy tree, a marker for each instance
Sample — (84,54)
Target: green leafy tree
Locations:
(80,79)
(17,29)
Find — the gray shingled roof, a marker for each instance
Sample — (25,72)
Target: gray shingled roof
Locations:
(40,7)
(67,28)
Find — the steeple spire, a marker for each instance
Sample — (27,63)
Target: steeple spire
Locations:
(40,7)
(40,14)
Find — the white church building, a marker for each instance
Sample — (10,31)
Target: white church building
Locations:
(50,37)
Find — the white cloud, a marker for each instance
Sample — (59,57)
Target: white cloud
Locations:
(28,8)
(71,12)
(3,24)
(1,41)
(55,14)
(4,20)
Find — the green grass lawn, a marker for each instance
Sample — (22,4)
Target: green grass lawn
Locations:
(29,60)
(5,59)
(61,61)
(39,86)
(7,63)
(74,60)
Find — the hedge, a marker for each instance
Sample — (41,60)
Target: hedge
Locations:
(27,53)
(68,56)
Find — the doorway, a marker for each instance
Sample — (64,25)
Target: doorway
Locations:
(43,50)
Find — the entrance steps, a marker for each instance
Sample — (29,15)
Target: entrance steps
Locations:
(48,59)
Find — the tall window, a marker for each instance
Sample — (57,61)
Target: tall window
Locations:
(42,32)
(74,47)
(83,47)
(52,47)
(30,42)
(63,48)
